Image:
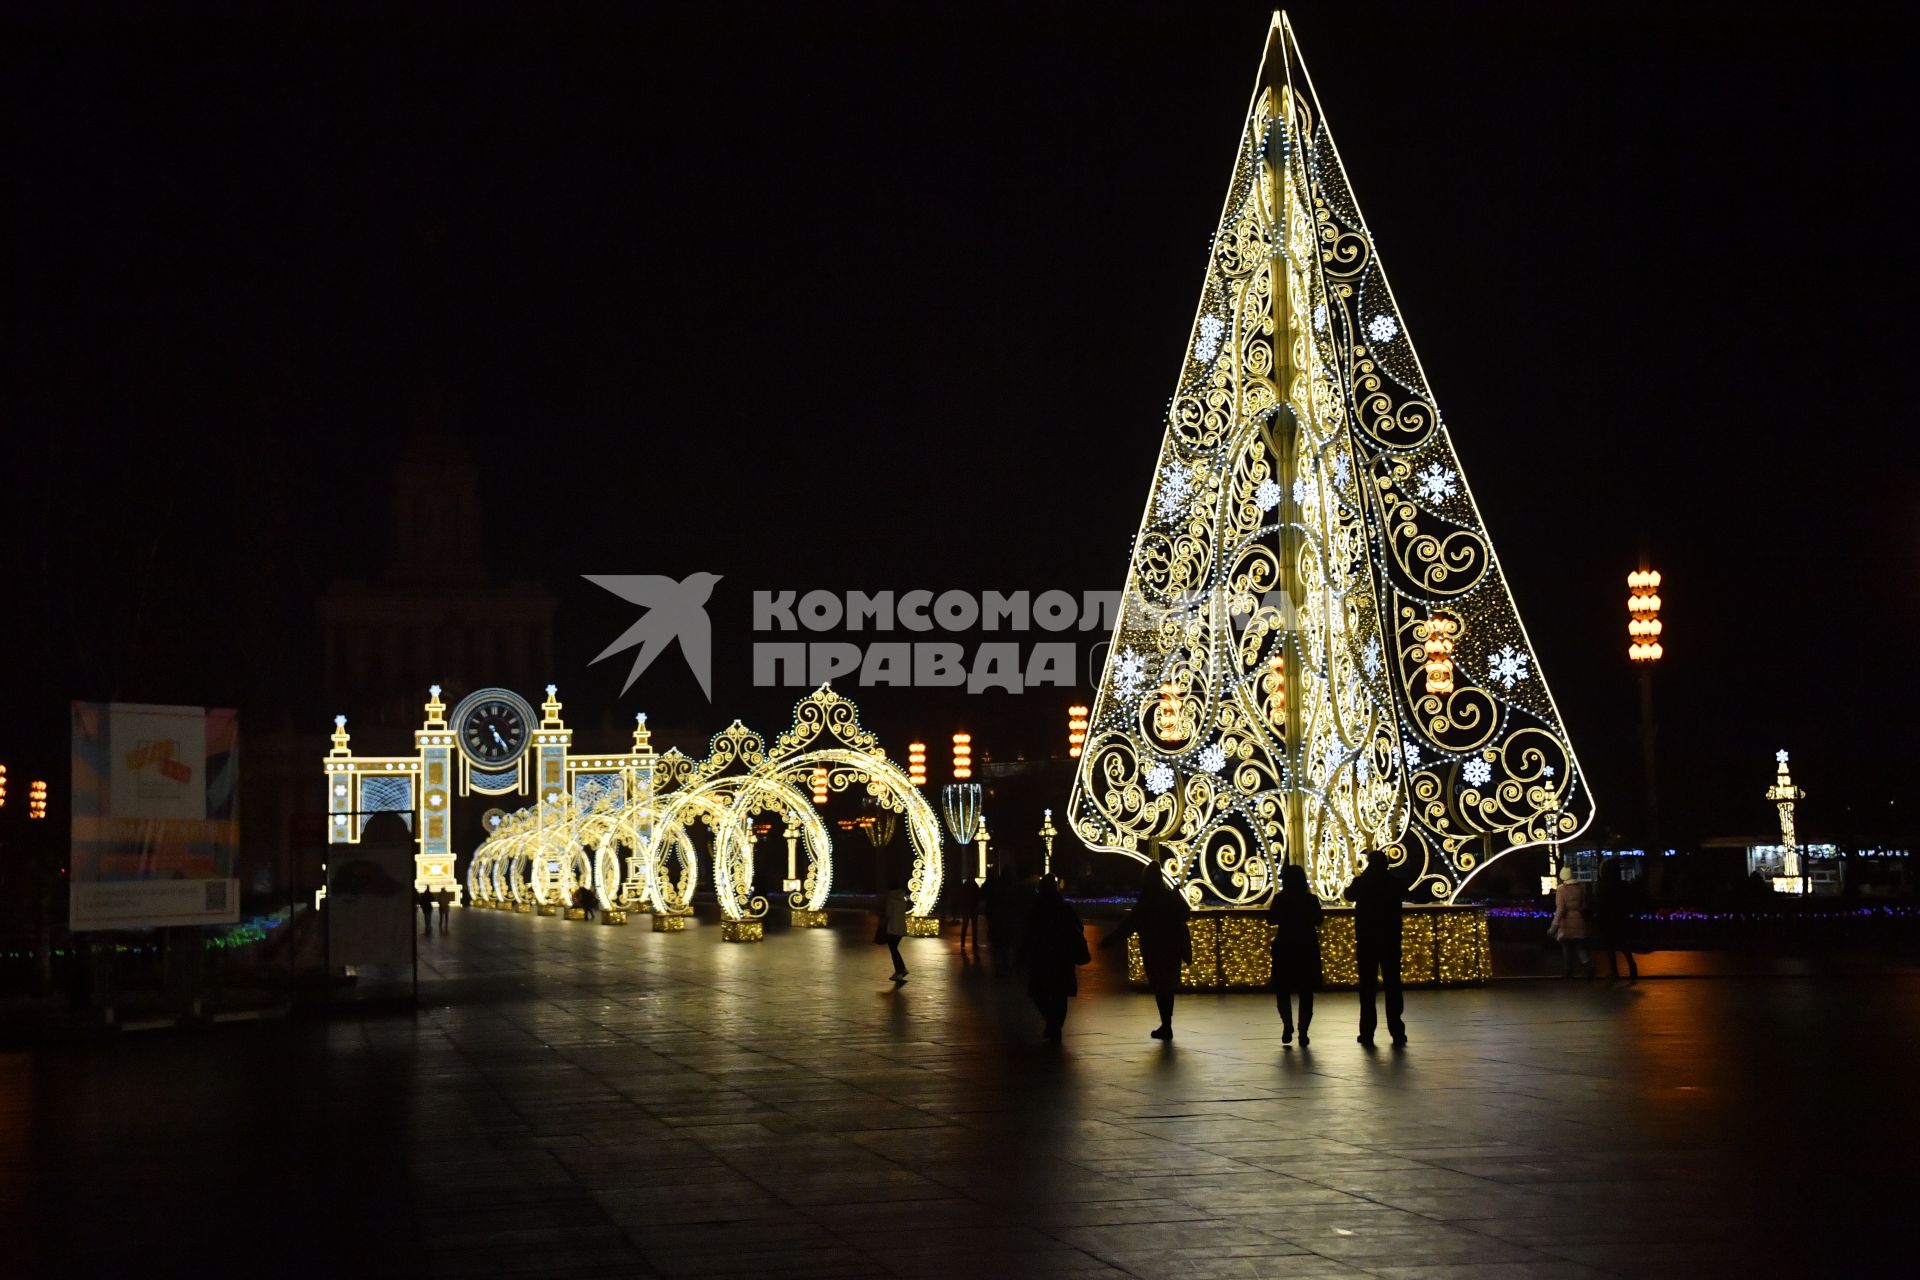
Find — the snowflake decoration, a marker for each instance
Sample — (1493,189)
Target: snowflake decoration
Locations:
(1211,330)
(1412,752)
(1509,666)
(1213,758)
(1303,491)
(1130,672)
(1363,768)
(1382,327)
(1370,659)
(1160,779)
(1547,771)
(1437,482)
(1320,316)
(1477,772)
(1341,470)
(1267,496)
(1176,490)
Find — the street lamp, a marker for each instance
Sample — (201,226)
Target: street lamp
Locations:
(980,835)
(3,786)
(37,799)
(962,756)
(819,782)
(960,804)
(1644,649)
(792,834)
(1793,864)
(917,763)
(1047,834)
(1076,731)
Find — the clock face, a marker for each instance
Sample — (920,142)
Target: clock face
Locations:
(493,726)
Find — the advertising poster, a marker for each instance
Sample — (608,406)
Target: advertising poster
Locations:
(155,830)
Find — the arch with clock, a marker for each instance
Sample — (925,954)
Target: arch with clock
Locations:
(493,743)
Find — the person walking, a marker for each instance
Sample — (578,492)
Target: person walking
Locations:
(1376,894)
(1053,946)
(893,926)
(424,900)
(967,898)
(1571,906)
(445,903)
(1159,920)
(1295,917)
(1613,918)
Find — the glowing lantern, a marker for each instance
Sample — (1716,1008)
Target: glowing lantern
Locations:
(1166,717)
(1439,649)
(1274,685)
(1643,624)
(1076,731)
(820,785)
(917,763)
(36,799)
(962,756)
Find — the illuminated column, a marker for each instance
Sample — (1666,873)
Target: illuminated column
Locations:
(639,787)
(3,786)
(343,823)
(1076,731)
(917,763)
(1438,647)
(433,864)
(1047,834)
(962,756)
(37,800)
(1793,868)
(982,836)
(551,744)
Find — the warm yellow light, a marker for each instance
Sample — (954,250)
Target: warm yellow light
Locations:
(962,756)
(1274,685)
(1643,625)
(1166,717)
(917,763)
(3,785)
(1076,731)
(1439,651)
(36,799)
(820,785)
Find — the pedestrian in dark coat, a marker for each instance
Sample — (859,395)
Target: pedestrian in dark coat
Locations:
(1159,920)
(1376,895)
(424,900)
(1053,946)
(1295,917)
(1613,918)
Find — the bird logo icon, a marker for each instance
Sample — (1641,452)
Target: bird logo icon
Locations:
(674,611)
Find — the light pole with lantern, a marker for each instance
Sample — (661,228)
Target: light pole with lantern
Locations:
(1047,834)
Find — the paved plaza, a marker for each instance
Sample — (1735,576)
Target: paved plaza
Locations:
(573,1100)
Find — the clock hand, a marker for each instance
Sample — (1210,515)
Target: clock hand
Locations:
(495,730)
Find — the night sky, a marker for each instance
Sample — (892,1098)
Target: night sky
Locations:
(893,296)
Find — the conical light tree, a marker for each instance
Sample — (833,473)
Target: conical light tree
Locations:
(1316,654)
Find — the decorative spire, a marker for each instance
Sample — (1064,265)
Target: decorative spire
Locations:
(550,710)
(642,736)
(436,709)
(341,737)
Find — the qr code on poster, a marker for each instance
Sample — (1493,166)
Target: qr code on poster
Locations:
(216,895)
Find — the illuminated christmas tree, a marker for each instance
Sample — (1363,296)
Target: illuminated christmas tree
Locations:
(1317,653)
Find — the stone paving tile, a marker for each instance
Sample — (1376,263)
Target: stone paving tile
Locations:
(574,1100)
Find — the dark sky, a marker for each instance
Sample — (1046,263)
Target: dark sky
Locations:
(893,296)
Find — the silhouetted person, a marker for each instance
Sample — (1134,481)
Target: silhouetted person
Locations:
(445,903)
(425,902)
(1159,920)
(996,897)
(1295,916)
(893,926)
(1376,895)
(1613,917)
(1053,946)
(1570,909)
(967,898)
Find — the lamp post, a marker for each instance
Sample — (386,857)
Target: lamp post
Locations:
(962,756)
(981,836)
(1783,793)
(917,763)
(1047,834)
(1644,649)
